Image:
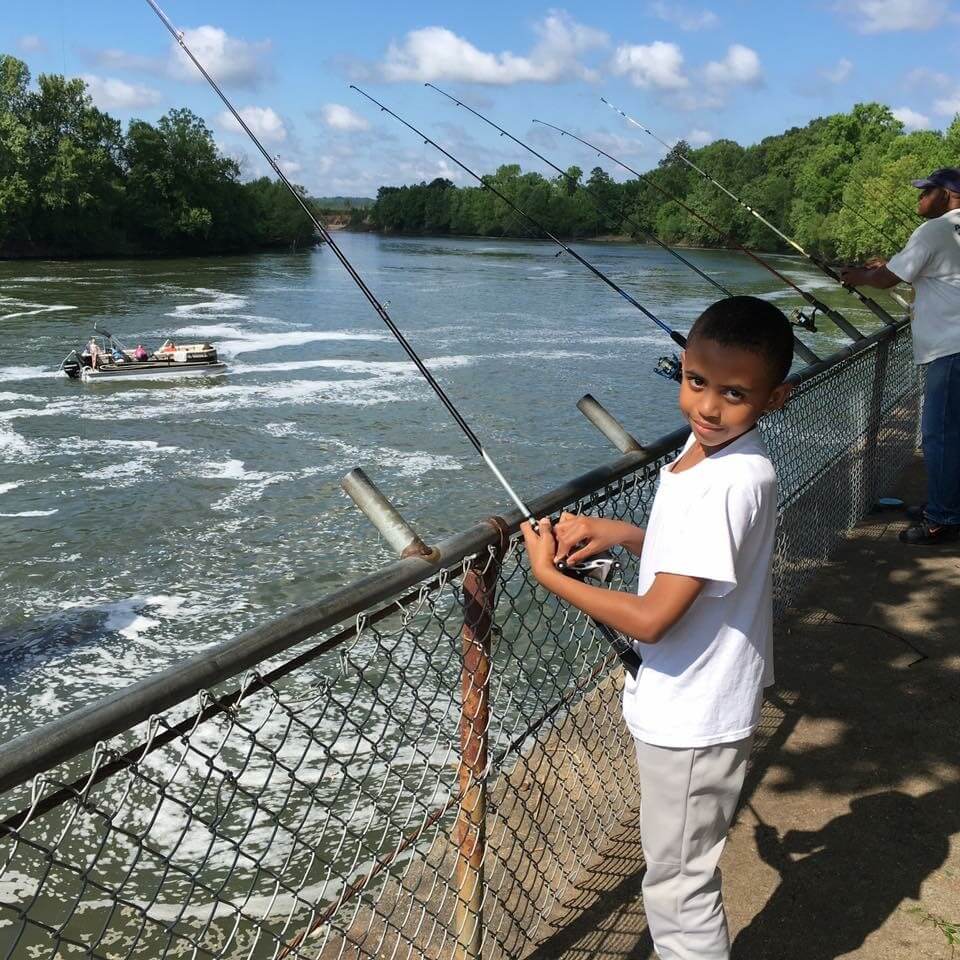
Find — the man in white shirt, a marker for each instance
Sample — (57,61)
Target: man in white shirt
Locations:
(930,262)
(702,615)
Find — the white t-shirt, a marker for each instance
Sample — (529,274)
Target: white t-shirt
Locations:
(930,262)
(702,683)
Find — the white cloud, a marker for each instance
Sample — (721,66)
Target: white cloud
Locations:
(436,53)
(263,121)
(740,67)
(339,117)
(114,59)
(31,43)
(658,65)
(699,138)
(947,106)
(888,16)
(682,17)
(229,60)
(925,80)
(839,72)
(109,93)
(911,119)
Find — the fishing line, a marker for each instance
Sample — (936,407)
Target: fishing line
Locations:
(825,268)
(563,173)
(801,319)
(351,270)
(869,223)
(801,347)
(484,182)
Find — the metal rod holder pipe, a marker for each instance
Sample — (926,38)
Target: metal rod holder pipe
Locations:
(607,424)
(384,516)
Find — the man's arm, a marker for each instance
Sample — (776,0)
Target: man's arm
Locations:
(879,276)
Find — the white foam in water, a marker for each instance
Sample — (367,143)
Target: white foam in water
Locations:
(36,308)
(126,617)
(30,513)
(7,397)
(249,342)
(7,487)
(227,470)
(219,302)
(27,373)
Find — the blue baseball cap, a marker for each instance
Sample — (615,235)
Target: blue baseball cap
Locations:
(946,177)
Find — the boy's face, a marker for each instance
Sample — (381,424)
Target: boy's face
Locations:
(725,390)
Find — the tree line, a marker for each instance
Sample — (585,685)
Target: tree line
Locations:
(72,182)
(839,186)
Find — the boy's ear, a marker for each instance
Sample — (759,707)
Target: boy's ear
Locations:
(778,397)
(683,358)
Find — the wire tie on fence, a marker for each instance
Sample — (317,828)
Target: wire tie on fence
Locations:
(100,753)
(153,725)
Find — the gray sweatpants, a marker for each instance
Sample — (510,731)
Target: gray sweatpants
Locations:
(687,800)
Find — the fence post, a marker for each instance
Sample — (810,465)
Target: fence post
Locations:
(479,604)
(875,423)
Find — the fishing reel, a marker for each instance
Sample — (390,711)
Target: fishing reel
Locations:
(599,567)
(669,368)
(807,321)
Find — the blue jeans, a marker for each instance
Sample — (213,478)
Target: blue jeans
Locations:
(940,427)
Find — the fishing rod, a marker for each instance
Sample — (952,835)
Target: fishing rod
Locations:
(599,567)
(895,214)
(869,303)
(869,223)
(352,271)
(808,355)
(570,179)
(800,319)
(676,337)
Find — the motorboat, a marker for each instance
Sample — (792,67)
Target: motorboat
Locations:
(104,358)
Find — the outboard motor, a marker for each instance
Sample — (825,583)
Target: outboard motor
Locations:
(72,365)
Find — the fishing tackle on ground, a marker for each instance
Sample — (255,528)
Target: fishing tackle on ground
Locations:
(602,567)
(825,268)
(676,337)
(848,328)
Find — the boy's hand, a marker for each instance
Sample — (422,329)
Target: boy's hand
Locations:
(541,549)
(579,537)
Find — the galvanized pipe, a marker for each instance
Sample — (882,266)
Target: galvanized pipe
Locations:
(384,516)
(608,424)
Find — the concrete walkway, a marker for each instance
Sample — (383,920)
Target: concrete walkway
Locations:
(847,843)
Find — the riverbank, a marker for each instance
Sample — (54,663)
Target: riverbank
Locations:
(31,252)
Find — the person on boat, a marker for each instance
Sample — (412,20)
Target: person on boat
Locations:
(141,353)
(930,262)
(703,616)
(94,352)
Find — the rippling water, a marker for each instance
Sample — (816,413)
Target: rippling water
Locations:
(143,522)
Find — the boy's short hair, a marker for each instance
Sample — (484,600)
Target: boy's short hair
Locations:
(749,323)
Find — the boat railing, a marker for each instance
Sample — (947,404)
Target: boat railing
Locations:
(428,762)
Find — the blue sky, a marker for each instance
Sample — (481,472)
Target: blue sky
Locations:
(740,68)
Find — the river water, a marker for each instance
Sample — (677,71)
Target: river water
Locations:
(141,523)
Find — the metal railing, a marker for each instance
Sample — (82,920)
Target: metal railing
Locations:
(422,764)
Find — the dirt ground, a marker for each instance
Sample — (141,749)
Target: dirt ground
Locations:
(847,843)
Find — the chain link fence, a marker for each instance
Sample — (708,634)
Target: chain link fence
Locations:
(429,763)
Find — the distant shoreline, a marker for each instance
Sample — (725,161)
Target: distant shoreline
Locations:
(19,256)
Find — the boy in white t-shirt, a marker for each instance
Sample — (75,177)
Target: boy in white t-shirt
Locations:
(702,618)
